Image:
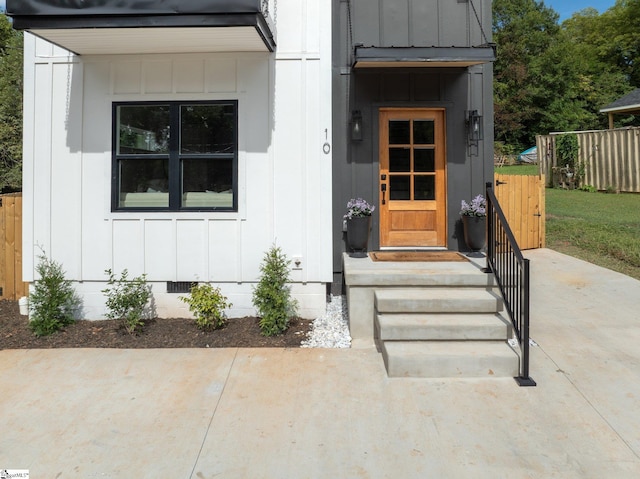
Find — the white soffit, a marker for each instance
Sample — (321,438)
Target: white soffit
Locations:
(110,41)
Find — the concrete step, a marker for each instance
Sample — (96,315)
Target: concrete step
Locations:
(437,300)
(450,359)
(442,327)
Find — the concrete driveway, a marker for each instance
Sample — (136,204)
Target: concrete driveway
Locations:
(320,413)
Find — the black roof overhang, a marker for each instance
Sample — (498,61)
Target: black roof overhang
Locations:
(46,15)
(129,7)
(402,57)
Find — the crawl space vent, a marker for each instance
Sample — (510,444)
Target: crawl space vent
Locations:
(179,286)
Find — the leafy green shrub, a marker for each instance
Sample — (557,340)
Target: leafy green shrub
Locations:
(272,297)
(126,299)
(208,305)
(589,188)
(53,301)
(567,149)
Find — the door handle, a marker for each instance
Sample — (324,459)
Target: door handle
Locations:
(383,188)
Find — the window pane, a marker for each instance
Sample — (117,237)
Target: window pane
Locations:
(207,183)
(424,160)
(399,187)
(399,159)
(207,129)
(399,132)
(424,187)
(143,129)
(423,132)
(144,183)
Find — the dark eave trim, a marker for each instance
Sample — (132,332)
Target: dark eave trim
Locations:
(372,57)
(66,8)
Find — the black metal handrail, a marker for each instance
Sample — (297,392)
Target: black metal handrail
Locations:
(511,270)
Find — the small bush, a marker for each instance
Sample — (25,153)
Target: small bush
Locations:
(588,188)
(208,305)
(272,297)
(53,301)
(126,299)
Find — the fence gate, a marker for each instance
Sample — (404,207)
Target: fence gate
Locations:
(11,285)
(522,200)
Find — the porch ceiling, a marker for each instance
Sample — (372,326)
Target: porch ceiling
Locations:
(98,41)
(436,57)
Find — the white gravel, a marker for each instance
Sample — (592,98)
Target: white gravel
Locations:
(332,329)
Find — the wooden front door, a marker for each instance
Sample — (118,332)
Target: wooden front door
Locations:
(413,196)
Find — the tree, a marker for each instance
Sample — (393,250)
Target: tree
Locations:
(602,80)
(11,84)
(622,37)
(523,30)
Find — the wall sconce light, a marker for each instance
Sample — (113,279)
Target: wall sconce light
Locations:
(356,125)
(474,127)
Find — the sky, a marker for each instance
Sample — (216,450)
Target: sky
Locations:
(566,8)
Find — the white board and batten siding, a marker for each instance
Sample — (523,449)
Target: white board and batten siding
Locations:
(284,174)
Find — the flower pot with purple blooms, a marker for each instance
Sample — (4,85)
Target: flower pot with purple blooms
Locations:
(358,219)
(474,222)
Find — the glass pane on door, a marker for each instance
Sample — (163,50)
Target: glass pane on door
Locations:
(424,187)
(424,132)
(399,132)
(424,160)
(400,187)
(400,159)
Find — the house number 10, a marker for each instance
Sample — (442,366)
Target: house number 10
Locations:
(326,147)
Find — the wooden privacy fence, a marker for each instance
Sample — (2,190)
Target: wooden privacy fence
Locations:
(611,158)
(522,201)
(11,285)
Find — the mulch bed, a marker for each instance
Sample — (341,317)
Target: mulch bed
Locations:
(156,333)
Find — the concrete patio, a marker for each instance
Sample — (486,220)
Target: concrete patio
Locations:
(319,413)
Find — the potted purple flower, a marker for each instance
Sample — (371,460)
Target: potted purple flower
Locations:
(358,218)
(474,220)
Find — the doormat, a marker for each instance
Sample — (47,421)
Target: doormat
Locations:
(425,256)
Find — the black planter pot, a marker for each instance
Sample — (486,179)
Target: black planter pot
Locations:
(358,236)
(475,232)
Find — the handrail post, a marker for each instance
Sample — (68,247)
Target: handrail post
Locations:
(490,229)
(524,379)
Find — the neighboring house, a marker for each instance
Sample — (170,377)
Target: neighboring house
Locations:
(182,139)
(627,105)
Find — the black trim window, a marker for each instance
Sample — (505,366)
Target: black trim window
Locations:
(175,156)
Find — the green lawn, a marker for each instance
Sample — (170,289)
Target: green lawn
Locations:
(523,169)
(601,228)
